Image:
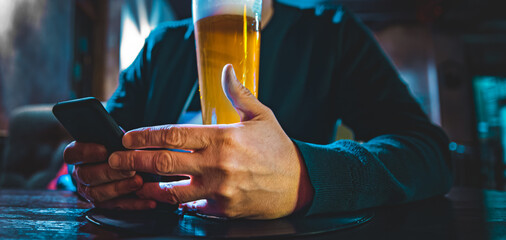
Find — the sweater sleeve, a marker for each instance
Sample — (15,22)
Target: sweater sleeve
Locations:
(398,156)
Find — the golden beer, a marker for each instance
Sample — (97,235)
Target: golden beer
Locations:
(220,40)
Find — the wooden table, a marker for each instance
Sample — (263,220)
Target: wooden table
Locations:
(462,214)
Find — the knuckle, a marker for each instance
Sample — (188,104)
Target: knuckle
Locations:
(163,162)
(121,174)
(142,136)
(83,175)
(78,153)
(230,212)
(130,160)
(95,196)
(109,174)
(225,192)
(118,188)
(89,194)
(68,153)
(226,167)
(229,136)
(268,111)
(149,135)
(172,196)
(174,137)
(81,190)
(73,153)
(75,173)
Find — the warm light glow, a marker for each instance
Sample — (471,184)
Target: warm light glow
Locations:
(190,206)
(133,36)
(34,10)
(164,185)
(135,28)
(6,10)
(198,204)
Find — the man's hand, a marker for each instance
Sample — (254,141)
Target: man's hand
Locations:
(246,170)
(100,184)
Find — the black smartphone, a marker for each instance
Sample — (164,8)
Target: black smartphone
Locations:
(87,121)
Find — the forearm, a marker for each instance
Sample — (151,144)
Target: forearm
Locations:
(389,169)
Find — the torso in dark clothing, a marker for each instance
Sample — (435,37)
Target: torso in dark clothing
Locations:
(297,73)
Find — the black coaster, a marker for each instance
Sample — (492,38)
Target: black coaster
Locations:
(173,224)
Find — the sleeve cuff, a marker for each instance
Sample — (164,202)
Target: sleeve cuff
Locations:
(326,166)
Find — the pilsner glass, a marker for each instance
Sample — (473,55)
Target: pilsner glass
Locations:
(226,31)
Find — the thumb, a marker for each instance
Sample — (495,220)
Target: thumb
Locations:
(244,102)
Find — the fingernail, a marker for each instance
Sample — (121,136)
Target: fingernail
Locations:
(232,76)
(114,161)
(232,70)
(227,79)
(128,173)
(134,184)
(152,205)
(127,141)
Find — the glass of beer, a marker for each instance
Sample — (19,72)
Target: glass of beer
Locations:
(226,32)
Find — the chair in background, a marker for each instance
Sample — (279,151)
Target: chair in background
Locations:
(33,151)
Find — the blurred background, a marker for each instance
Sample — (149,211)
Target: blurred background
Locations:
(451,53)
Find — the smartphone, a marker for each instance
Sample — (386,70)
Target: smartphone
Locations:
(87,121)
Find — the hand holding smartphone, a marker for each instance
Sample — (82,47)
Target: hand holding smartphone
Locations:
(87,121)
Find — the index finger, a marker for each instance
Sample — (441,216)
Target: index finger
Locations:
(160,162)
(191,137)
(78,153)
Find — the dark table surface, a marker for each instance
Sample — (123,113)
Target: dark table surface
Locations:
(462,214)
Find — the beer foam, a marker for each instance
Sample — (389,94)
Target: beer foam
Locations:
(207,8)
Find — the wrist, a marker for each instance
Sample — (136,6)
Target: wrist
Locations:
(306,191)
